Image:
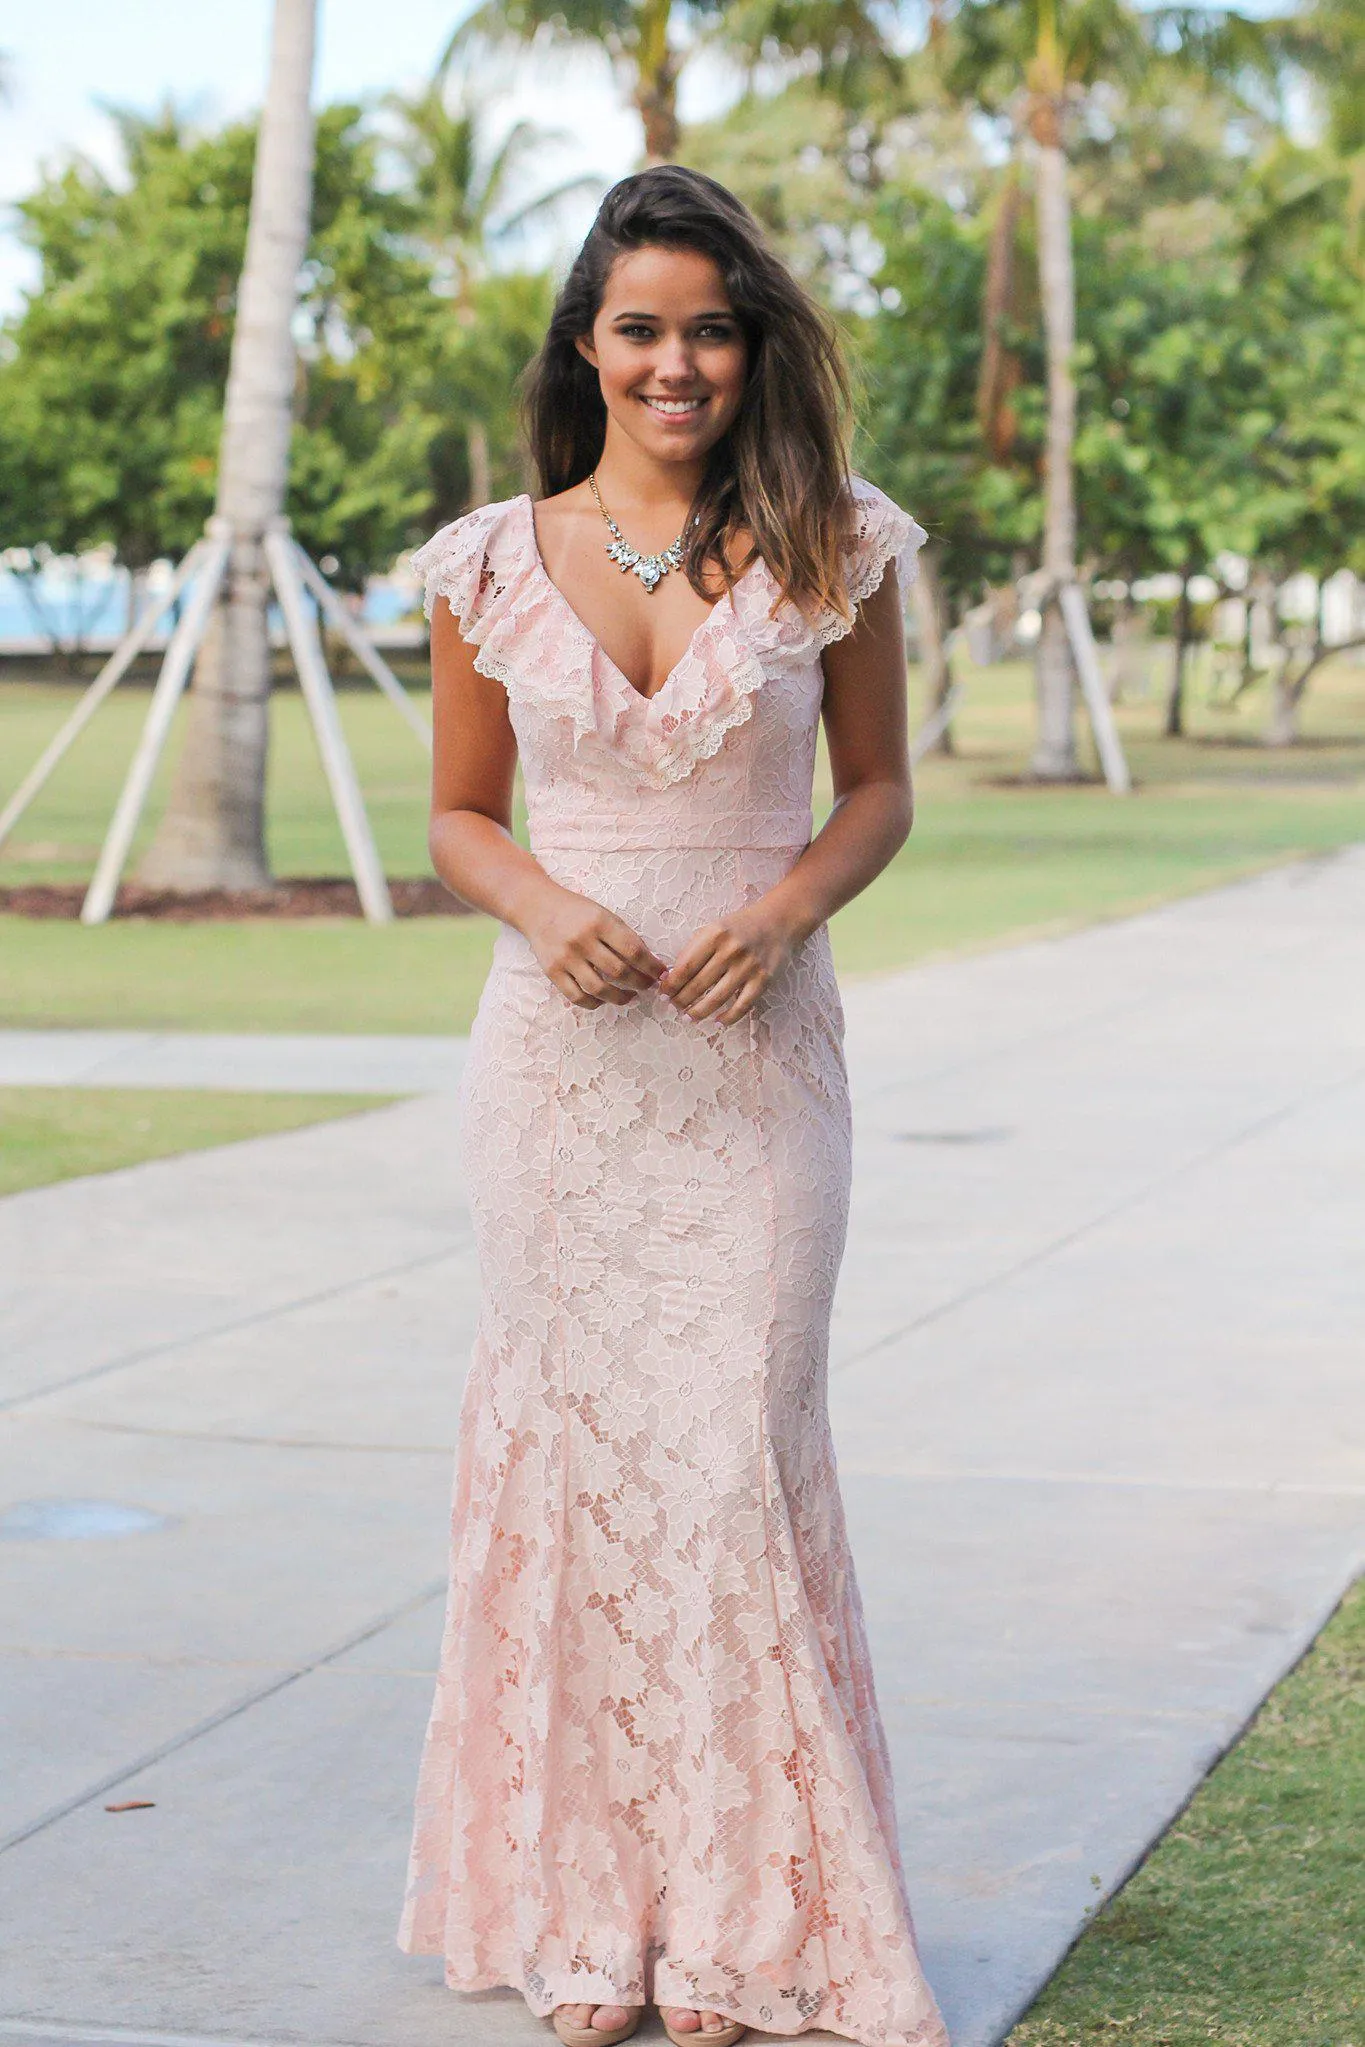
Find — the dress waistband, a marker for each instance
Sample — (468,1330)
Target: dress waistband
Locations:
(733,831)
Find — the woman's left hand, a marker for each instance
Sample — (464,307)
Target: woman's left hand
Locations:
(724,967)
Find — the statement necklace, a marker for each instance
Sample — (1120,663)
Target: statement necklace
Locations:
(650,568)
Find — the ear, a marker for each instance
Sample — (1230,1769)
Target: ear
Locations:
(583,343)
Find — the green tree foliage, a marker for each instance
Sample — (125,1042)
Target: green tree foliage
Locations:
(1222,407)
(111,391)
(411,341)
(920,363)
(469,201)
(1220,366)
(478,351)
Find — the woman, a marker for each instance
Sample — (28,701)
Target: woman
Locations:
(655,1769)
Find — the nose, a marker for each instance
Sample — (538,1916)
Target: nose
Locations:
(673,364)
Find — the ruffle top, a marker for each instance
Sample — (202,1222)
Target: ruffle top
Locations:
(487,565)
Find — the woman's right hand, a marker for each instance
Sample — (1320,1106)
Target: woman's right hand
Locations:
(591,955)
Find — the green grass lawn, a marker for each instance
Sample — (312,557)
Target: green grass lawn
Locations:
(49,1134)
(987,861)
(1246,1925)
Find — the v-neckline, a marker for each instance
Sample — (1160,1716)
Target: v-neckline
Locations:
(616,673)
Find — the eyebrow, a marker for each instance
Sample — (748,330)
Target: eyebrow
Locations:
(717,313)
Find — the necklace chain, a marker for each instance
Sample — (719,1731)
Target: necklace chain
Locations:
(650,568)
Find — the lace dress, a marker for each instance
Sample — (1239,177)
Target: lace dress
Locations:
(655,1769)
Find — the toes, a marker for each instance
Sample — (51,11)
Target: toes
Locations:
(601,2018)
(712,2022)
(682,2020)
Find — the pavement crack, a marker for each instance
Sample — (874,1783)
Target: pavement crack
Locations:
(434,1590)
(249,1442)
(1105,1481)
(1126,1006)
(75,2033)
(1135,1199)
(231,1327)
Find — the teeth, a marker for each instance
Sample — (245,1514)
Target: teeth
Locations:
(675,405)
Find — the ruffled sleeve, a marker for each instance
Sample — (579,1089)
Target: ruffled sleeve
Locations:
(467,563)
(882,533)
(487,567)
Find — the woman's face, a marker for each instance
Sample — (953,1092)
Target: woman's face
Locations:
(669,351)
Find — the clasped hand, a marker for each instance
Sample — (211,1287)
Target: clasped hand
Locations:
(593,957)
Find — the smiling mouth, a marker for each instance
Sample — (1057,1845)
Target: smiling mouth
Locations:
(672,408)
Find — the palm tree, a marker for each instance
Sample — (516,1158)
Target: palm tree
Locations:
(463,185)
(1329,42)
(464,192)
(1322,47)
(637,35)
(213,832)
(643,39)
(1028,60)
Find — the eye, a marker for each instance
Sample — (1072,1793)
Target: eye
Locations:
(636,330)
(717,330)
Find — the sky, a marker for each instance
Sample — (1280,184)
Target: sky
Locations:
(210,58)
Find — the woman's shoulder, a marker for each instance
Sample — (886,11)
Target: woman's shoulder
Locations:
(466,557)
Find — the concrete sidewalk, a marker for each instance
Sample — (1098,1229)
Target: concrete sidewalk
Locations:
(263,1062)
(1098,1402)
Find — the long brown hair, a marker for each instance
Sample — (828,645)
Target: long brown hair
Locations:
(781,472)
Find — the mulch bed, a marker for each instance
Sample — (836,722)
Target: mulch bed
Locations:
(292,896)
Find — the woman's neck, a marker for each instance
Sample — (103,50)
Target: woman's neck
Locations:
(629,478)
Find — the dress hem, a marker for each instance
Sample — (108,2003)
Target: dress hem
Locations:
(580,1992)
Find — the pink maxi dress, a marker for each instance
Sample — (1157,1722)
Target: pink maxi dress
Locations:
(655,1770)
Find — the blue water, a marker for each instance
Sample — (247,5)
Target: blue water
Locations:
(100,604)
(100,607)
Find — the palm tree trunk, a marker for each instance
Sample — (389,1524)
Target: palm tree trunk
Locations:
(926,595)
(213,832)
(1175,696)
(480,465)
(1001,371)
(1054,753)
(1285,699)
(656,83)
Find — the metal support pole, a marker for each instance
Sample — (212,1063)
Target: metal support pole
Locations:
(361,645)
(320,698)
(112,673)
(175,670)
(1086,656)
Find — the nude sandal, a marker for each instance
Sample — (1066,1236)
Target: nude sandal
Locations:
(725,2037)
(595,2036)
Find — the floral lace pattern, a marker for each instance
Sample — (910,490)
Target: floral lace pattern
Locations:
(655,1768)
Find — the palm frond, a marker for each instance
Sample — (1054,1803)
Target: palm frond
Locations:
(523,21)
(586,184)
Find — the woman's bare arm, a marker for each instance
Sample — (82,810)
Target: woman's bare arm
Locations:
(590,955)
(725,967)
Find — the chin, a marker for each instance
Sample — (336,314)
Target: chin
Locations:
(679,444)
(668,447)
(680,447)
